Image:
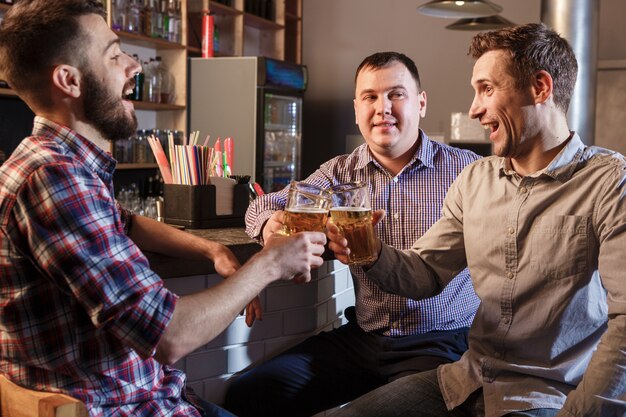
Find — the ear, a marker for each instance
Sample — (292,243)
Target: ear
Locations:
(422,100)
(67,79)
(542,86)
(356,116)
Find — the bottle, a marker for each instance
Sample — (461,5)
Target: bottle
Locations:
(179,26)
(153,82)
(207,34)
(133,23)
(216,40)
(167,82)
(118,15)
(137,93)
(173,21)
(157,19)
(165,28)
(147,17)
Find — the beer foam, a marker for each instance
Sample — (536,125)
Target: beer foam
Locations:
(350,209)
(312,210)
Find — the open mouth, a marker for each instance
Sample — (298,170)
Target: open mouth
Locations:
(492,127)
(128,89)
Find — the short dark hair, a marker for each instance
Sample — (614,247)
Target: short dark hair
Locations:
(533,47)
(35,35)
(384,59)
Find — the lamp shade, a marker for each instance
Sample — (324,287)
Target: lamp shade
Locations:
(452,9)
(481,23)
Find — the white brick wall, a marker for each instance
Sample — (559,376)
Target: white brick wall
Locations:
(291,313)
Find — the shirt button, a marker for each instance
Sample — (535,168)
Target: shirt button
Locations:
(396,216)
(523,190)
(509,275)
(506,320)
(511,230)
(395,179)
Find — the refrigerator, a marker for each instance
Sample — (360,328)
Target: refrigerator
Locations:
(256,101)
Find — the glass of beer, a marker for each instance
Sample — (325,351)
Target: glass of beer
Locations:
(351,212)
(306,209)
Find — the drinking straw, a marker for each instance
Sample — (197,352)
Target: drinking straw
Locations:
(228,150)
(161,159)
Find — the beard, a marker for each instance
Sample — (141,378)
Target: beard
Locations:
(105,111)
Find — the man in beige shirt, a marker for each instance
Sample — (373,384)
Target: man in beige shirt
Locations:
(542,227)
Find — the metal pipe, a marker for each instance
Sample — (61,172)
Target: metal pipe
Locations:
(577,21)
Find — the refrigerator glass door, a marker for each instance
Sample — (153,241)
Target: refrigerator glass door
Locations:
(283,133)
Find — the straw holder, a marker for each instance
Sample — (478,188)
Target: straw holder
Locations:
(194,206)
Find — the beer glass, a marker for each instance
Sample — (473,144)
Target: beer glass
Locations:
(306,209)
(352,214)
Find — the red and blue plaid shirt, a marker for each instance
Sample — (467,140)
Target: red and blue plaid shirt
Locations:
(412,200)
(80,310)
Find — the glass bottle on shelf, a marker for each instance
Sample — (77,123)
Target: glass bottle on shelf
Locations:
(147,17)
(152,84)
(167,82)
(216,40)
(157,20)
(173,21)
(133,21)
(137,93)
(140,143)
(118,15)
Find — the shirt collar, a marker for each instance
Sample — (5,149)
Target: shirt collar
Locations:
(424,154)
(563,165)
(73,143)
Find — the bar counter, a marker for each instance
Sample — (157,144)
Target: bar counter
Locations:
(234,238)
(291,312)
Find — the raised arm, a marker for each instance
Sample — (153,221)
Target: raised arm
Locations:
(200,317)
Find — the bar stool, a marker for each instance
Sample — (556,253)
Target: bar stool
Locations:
(16,401)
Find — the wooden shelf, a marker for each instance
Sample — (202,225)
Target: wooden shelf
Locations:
(147,42)
(260,23)
(136,166)
(146,105)
(291,16)
(7,92)
(223,10)
(194,50)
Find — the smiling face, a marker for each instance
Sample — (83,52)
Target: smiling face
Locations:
(388,107)
(107,78)
(508,112)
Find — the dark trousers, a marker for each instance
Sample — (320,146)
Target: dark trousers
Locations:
(335,367)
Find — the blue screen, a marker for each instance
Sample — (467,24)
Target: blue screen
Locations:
(281,74)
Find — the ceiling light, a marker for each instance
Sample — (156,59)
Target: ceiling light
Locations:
(459,9)
(481,23)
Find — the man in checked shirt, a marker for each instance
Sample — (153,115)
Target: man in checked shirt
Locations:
(387,336)
(81,312)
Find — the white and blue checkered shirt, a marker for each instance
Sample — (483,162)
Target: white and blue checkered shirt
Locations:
(413,201)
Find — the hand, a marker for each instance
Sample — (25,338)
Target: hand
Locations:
(339,245)
(224,260)
(273,225)
(295,255)
(254,311)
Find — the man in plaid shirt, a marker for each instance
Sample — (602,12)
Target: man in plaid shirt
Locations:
(80,310)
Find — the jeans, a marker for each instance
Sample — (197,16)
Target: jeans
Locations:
(212,410)
(418,395)
(335,367)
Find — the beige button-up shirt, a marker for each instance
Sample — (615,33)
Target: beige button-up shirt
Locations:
(547,256)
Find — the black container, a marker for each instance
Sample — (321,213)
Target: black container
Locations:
(193,206)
